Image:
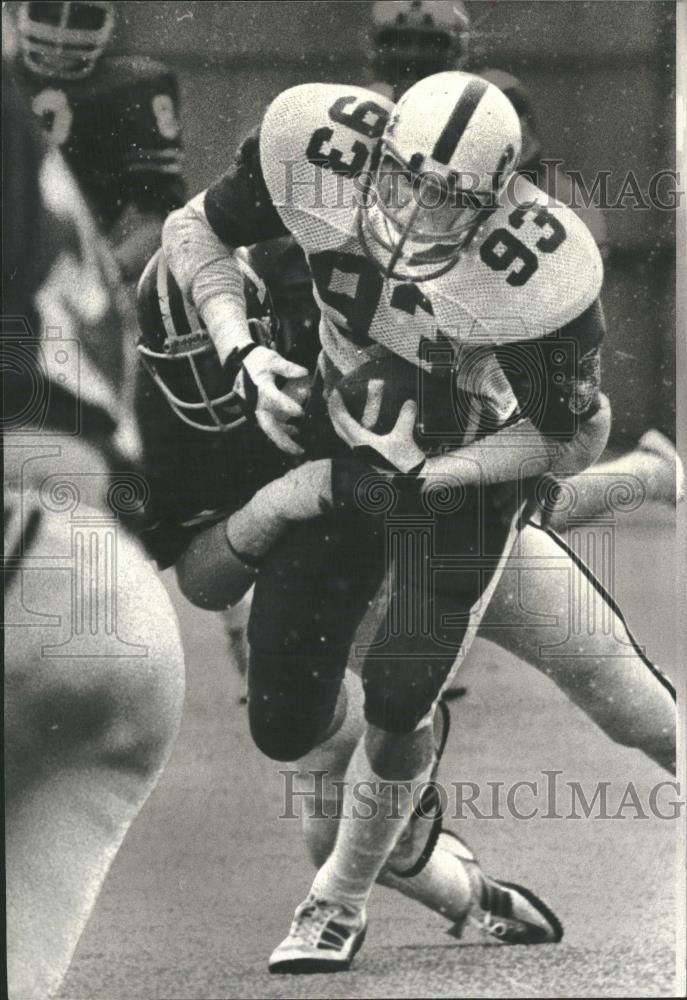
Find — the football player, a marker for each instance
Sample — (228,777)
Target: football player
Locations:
(424,261)
(93,660)
(413,38)
(115,119)
(204,460)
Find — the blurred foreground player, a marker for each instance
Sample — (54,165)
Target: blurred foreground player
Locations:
(411,39)
(93,660)
(396,275)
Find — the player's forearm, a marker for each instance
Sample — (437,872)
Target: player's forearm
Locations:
(299,495)
(221,563)
(207,272)
(521,451)
(210,574)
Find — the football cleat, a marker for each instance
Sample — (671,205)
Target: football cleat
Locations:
(324,937)
(504,911)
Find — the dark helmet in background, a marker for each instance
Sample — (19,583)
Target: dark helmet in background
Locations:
(412,39)
(64,40)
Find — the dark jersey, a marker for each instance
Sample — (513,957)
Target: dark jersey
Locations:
(119,132)
(202,459)
(194,477)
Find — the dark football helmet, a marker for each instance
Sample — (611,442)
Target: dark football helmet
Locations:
(412,39)
(176,349)
(520,99)
(64,40)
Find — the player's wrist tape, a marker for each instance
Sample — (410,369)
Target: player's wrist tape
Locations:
(239,354)
(250,564)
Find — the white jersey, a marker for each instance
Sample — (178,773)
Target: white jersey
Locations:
(531,268)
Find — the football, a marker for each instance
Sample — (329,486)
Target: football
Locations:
(375,392)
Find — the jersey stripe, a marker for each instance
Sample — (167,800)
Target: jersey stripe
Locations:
(452,132)
(600,589)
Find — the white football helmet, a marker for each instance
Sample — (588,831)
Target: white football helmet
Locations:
(64,40)
(447,152)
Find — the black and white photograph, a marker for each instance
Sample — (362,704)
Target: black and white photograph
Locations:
(345,580)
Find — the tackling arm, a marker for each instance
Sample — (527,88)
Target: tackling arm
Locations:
(221,562)
(561,429)
(199,241)
(521,450)
(561,426)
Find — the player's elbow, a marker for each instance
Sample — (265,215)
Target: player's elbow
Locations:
(175,231)
(185,232)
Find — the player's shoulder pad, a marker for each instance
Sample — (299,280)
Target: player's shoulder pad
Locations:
(316,140)
(532,268)
(115,72)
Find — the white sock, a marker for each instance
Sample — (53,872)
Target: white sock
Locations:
(363,844)
(322,795)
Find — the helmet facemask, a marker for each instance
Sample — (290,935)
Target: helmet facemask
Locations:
(415,224)
(178,353)
(194,383)
(413,40)
(64,40)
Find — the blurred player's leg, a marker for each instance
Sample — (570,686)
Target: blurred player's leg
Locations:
(601,669)
(86,738)
(654,462)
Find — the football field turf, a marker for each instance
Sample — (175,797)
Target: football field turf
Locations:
(208,877)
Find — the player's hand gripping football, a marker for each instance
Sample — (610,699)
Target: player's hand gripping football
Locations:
(272,405)
(394,452)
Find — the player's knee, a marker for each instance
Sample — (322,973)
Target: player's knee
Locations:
(148,690)
(625,729)
(291,706)
(124,710)
(398,700)
(399,756)
(282,737)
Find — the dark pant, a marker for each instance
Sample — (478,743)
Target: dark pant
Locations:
(314,590)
